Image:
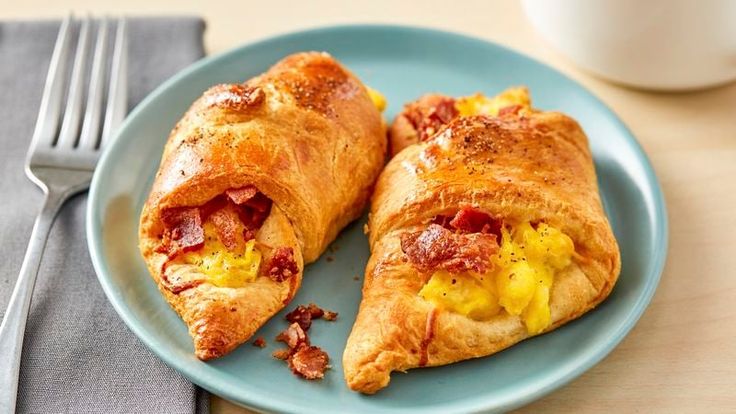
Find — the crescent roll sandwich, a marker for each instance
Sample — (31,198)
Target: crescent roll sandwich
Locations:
(485,229)
(255,181)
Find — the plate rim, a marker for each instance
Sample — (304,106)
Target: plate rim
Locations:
(582,363)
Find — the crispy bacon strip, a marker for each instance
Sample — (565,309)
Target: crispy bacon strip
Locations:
(230,229)
(439,248)
(242,195)
(470,220)
(240,212)
(251,197)
(211,206)
(283,265)
(255,207)
(183,230)
(430,114)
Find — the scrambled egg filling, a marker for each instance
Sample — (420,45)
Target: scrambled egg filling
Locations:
(519,283)
(479,104)
(378,100)
(225,268)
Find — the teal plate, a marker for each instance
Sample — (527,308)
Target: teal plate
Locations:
(403,63)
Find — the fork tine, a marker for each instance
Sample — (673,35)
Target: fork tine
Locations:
(53,92)
(72,113)
(91,125)
(117,98)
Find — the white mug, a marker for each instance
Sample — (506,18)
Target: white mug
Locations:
(650,44)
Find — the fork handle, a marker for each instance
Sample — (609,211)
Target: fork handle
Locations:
(14,321)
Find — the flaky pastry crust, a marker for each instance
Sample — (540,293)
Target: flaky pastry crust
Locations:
(307,135)
(535,167)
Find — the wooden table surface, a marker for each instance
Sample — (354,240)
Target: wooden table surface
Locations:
(681,357)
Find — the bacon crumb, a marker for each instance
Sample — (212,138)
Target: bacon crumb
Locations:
(294,336)
(282,354)
(315,311)
(283,265)
(330,316)
(259,342)
(305,360)
(303,315)
(310,362)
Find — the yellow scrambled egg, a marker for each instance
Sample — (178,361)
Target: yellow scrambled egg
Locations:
(378,100)
(479,104)
(223,267)
(519,283)
(474,297)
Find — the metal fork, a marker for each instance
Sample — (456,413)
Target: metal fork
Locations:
(61,160)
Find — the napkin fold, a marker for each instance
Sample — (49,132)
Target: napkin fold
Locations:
(78,355)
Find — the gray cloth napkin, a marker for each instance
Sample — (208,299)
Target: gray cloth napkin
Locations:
(78,355)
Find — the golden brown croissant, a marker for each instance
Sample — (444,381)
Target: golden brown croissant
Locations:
(255,181)
(485,231)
